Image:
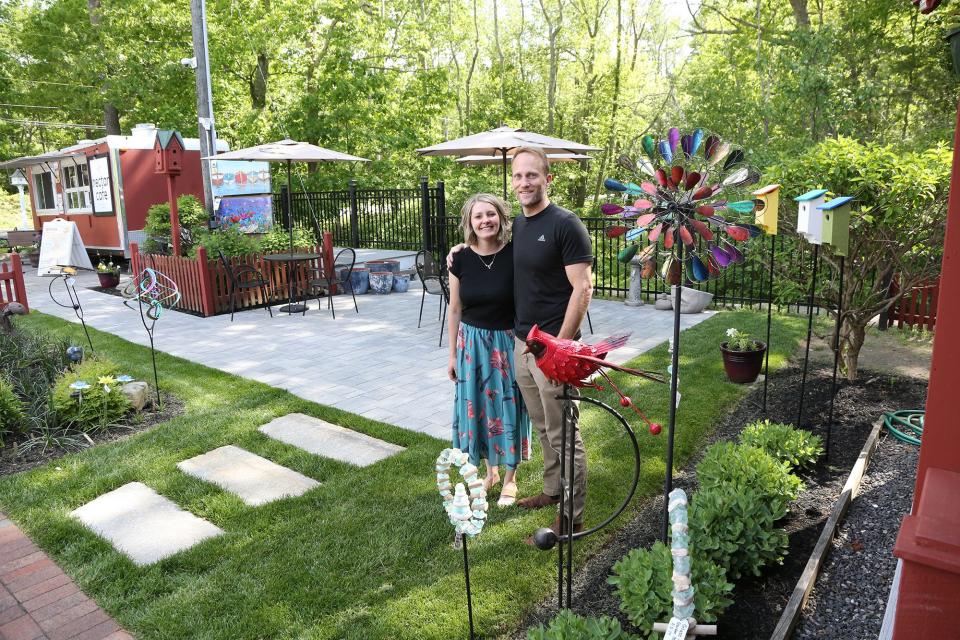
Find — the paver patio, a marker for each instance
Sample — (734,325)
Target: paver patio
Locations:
(375,363)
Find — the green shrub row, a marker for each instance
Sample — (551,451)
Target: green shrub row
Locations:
(744,490)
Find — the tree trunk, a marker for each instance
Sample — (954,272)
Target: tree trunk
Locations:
(800,13)
(111,119)
(852,334)
(258,82)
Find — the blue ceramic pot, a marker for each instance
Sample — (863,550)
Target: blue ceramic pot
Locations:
(381,281)
(359,280)
(401,283)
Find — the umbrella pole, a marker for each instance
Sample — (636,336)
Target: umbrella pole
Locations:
(290,264)
(504,174)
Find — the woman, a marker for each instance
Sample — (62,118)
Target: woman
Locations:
(489,420)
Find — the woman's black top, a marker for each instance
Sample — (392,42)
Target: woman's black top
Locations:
(486,294)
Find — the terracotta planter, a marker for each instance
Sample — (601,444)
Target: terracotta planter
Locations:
(743,367)
(33,259)
(108,280)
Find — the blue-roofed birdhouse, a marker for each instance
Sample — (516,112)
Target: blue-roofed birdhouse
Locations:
(809,217)
(836,224)
(769,207)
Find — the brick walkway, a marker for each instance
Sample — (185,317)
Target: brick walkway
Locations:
(38,601)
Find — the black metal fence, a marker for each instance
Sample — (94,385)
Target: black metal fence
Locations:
(412,219)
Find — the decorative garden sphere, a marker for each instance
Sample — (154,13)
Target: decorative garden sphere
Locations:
(75,354)
(655,428)
(545,538)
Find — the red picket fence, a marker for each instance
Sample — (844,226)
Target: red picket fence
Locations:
(917,307)
(205,287)
(12,288)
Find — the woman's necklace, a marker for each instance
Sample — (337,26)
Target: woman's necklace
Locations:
(484,262)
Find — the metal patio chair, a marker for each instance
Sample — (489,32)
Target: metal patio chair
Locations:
(239,278)
(434,282)
(343,266)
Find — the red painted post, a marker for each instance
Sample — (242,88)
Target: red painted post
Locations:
(134,259)
(929,539)
(206,283)
(328,259)
(19,289)
(174,216)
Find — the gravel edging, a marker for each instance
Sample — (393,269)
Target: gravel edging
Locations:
(850,596)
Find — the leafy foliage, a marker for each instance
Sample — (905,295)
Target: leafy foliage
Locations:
(734,527)
(569,626)
(642,580)
(278,239)
(11,410)
(744,467)
(101,405)
(230,240)
(193,220)
(795,447)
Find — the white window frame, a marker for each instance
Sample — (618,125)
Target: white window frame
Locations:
(38,191)
(77,186)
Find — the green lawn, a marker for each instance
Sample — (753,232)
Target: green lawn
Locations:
(366,555)
(10,210)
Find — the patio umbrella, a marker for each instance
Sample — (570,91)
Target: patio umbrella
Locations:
(553,157)
(288,151)
(502,142)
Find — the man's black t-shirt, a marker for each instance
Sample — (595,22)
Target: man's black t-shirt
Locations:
(486,294)
(542,246)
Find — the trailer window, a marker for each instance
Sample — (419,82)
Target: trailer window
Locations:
(43,190)
(76,182)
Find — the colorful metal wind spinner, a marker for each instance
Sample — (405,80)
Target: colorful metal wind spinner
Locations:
(686,186)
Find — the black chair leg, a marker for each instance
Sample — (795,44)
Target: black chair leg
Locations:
(423,298)
(443,323)
(266,298)
(354,300)
(440,310)
(233,302)
(589,323)
(330,304)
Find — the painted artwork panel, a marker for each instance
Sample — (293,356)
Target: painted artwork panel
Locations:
(250,214)
(239,177)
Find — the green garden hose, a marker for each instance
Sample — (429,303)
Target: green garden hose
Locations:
(898,423)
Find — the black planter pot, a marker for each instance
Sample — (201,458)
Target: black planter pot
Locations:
(953,37)
(743,366)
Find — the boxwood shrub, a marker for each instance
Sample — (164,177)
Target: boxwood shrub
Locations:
(796,447)
(643,581)
(95,407)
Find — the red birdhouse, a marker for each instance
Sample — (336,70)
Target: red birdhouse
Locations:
(168,152)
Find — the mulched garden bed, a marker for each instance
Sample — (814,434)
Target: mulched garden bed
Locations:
(11,463)
(758,602)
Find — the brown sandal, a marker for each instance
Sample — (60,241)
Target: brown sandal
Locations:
(539,501)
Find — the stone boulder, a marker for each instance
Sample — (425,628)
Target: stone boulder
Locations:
(137,394)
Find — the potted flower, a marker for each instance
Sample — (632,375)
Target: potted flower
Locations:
(109,274)
(742,356)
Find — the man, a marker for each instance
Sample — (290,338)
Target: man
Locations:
(552,288)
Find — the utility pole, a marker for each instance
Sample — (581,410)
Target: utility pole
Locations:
(208,134)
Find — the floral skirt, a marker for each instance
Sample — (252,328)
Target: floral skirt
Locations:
(489,419)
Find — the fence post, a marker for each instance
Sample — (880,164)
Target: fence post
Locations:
(206,283)
(134,259)
(19,289)
(354,216)
(425,211)
(442,216)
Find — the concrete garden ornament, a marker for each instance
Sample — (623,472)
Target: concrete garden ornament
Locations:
(686,186)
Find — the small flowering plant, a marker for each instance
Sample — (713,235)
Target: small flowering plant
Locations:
(741,341)
(108,267)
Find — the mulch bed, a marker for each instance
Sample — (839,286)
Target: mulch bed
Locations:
(11,462)
(759,602)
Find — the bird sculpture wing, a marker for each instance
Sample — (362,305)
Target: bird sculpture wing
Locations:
(609,344)
(650,375)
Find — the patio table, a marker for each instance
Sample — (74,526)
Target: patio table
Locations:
(290,259)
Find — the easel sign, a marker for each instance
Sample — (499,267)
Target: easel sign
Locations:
(101,186)
(61,246)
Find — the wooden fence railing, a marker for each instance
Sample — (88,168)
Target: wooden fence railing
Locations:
(205,286)
(12,288)
(917,307)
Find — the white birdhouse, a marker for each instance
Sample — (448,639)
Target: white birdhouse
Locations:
(809,217)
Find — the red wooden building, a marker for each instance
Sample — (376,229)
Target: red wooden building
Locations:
(107,185)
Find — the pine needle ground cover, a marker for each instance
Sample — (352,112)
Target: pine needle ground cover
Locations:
(368,553)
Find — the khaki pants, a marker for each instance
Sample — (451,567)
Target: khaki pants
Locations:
(546,413)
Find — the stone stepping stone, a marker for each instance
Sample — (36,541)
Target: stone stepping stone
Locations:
(329,440)
(254,479)
(142,524)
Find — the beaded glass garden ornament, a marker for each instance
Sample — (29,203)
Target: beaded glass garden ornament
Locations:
(465,504)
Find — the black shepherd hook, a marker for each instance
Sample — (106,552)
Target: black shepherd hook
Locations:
(68,281)
(546,538)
